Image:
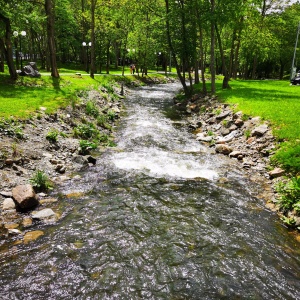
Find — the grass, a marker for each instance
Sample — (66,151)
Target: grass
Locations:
(24,97)
(278,102)
(272,100)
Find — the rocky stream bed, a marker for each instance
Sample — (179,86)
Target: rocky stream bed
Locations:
(25,149)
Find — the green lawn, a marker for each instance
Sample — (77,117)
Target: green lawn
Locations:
(273,100)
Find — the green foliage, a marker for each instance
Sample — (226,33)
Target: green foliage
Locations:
(40,181)
(52,135)
(85,146)
(111,114)
(12,128)
(289,194)
(91,109)
(288,156)
(86,131)
(247,133)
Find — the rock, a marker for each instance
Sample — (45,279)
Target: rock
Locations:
(25,196)
(6,194)
(8,204)
(260,130)
(27,222)
(14,232)
(277,172)
(91,159)
(32,235)
(235,154)
(223,148)
(45,215)
(250,140)
(31,70)
(204,138)
(223,115)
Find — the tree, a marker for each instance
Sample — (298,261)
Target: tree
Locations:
(49,8)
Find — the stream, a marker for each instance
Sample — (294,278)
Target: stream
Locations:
(159,217)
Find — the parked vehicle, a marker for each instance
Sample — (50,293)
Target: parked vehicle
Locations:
(296,79)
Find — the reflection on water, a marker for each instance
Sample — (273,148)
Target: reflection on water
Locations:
(155,223)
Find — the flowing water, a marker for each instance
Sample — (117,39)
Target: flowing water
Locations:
(158,217)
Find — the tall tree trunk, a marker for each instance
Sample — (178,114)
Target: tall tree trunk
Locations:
(181,78)
(224,67)
(7,47)
(93,48)
(49,8)
(212,48)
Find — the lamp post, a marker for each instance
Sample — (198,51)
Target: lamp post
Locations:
(22,34)
(84,44)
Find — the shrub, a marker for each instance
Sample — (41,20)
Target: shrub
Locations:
(86,146)
(289,194)
(91,109)
(288,156)
(52,135)
(40,180)
(86,131)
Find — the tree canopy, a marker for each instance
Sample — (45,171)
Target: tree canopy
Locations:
(235,38)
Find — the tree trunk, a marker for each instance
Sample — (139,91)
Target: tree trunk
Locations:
(49,8)
(224,67)
(7,47)
(212,49)
(181,78)
(93,48)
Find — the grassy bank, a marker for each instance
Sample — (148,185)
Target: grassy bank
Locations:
(22,98)
(275,101)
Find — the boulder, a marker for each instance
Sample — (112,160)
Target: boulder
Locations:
(25,196)
(260,130)
(277,172)
(223,148)
(8,204)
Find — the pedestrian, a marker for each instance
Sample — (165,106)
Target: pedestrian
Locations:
(133,69)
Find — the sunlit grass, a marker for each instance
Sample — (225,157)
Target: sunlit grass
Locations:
(273,100)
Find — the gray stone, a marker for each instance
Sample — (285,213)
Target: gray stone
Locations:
(235,154)
(260,130)
(44,214)
(25,196)
(223,115)
(6,194)
(8,204)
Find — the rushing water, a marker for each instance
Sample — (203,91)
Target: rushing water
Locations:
(160,217)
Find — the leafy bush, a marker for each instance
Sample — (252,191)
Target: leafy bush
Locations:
(85,146)
(52,135)
(289,193)
(40,181)
(86,131)
(91,109)
(111,114)
(288,156)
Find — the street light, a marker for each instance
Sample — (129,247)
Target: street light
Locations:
(84,44)
(22,34)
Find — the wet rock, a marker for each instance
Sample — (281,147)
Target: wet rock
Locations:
(45,215)
(24,196)
(8,204)
(14,232)
(27,222)
(32,236)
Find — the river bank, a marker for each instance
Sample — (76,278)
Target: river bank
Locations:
(27,148)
